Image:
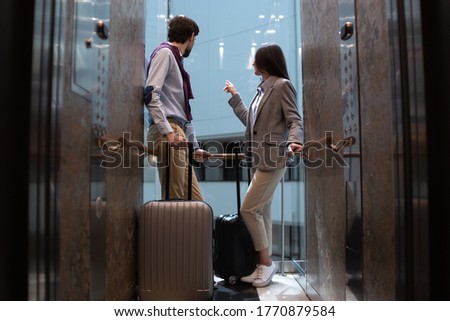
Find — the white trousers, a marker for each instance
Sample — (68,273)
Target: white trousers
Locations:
(256,209)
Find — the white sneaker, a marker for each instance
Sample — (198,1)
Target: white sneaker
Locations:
(264,275)
(250,278)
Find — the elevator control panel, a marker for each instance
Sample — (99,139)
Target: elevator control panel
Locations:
(352,155)
(91,58)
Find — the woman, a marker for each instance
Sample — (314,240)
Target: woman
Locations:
(274,131)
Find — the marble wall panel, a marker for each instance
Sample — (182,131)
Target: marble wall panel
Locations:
(125,119)
(324,184)
(74,200)
(377,147)
(124,184)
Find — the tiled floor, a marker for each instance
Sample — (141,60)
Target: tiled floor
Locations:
(282,288)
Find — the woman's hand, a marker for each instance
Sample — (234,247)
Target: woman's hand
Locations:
(294,148)
(229,88)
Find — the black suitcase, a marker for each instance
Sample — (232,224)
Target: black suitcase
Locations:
(234,253)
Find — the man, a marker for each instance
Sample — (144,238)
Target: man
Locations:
(167,93)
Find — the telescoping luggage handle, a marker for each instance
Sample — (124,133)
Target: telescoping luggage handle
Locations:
(236,155)
(190,164)
(238,182)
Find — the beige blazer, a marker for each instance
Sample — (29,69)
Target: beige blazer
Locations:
(277,124)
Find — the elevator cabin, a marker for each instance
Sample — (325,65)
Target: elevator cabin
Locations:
(361,218)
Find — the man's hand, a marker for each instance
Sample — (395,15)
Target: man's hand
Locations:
(176,141)
(201,155)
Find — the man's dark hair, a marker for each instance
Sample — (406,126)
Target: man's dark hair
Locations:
(181,28)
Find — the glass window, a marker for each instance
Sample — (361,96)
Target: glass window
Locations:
(224,50)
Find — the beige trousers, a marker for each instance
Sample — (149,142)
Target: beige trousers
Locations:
(178,183)
(256,209)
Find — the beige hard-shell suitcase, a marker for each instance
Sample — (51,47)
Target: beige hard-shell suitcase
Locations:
(175,250)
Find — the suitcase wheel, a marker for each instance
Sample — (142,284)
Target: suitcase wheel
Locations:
(232,279)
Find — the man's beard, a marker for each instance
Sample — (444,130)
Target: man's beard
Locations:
(187,52)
